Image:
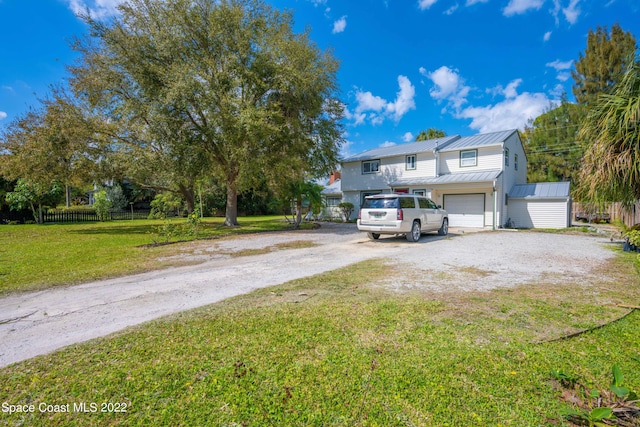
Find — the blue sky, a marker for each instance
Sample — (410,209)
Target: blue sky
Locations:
(463,66)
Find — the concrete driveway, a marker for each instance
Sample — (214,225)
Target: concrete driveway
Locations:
(40,322)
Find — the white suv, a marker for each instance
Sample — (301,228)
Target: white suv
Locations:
(401,214)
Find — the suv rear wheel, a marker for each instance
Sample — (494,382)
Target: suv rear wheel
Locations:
(415,233)
(373,236)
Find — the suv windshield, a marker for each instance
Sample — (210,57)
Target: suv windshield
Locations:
(381,203)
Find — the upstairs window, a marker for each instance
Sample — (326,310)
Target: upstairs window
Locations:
(411,162)
(468,158)
(506,157)
(515,162)
(371,166)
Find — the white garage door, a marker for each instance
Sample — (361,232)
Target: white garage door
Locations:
(465,210)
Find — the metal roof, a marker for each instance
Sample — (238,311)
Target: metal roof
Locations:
(481,140)
(452,178)
(403,149)
(541,190)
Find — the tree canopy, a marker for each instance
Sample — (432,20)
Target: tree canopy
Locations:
(551,144)
(602,63)
(53,143)
(430,133)
(220,88)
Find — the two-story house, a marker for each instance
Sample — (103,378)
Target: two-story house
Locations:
(471,177)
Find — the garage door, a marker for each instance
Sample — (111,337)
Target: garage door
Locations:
(465,210)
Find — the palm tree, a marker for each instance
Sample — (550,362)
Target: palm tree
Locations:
(611,164)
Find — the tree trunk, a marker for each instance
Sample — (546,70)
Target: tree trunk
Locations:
(189,196)
(40,214)
(67,196)
(298,210)
(231,211)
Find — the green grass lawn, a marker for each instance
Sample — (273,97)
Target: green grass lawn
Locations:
(40,256)
(338,349)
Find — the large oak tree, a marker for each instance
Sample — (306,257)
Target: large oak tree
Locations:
(226,81)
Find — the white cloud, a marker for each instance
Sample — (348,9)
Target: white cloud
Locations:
(518,7)
(510,91)
(560,65)
(448,85)
(340,25)
(356,118)
(318,2)
(3,115)
(472,2)
(404,99)
(426,4)
(369,102)
(511,113)
(345,149)
(407,137)
(558,91)
(572,12)
(377,109)
(562,68)
(388,144)
(451,10)
(547,36)
(98,9)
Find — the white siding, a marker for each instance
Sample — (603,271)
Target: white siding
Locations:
(511,176)
(488,158)
(391,169)
(539,213)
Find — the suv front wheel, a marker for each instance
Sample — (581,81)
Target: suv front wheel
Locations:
(415,233)
(444,230)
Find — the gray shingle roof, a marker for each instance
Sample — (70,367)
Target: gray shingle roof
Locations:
(403,149)
(540,190)
(481,140)
(452,178)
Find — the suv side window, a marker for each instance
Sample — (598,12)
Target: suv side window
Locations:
(431,204)
(407,202)
(424,204)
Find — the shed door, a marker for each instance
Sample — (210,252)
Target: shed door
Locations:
(465,210)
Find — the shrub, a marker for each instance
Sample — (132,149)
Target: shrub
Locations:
(101,204)
(346,209)
(164,204)
(117,198)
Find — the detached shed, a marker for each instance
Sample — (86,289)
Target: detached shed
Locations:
(540,205)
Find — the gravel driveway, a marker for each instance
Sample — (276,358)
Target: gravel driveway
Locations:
(40,322)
